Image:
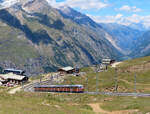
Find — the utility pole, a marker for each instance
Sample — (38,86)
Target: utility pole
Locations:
(96,71)
(96,81)
(135,83)
(22,84)
(116,80)
(40,79)
(87,83)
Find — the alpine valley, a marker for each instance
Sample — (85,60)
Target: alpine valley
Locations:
(39,38)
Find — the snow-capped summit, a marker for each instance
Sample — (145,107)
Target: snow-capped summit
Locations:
(65,9)
(29,6)
(8,3)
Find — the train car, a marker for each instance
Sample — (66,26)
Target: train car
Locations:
(59,88)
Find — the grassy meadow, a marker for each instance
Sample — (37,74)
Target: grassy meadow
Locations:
(60,103)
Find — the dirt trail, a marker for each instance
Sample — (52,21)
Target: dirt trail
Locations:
(115,64)
(132,83)
(125,112)
(13,91)
(98,110)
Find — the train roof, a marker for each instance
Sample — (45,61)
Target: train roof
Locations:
(58,86)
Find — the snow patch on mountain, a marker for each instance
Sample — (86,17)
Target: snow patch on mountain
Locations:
(8,3)
(66,9)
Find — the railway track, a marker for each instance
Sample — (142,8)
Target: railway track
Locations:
(30,88)
(119,94)
(51,81)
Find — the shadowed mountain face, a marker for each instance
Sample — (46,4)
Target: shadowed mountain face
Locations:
(38,38)
(44,19)
(35,37)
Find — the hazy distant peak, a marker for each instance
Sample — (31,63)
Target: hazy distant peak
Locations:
(64,7)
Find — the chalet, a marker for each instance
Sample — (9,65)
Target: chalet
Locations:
(12,78)
(14,71)
(68,70)
(108,61)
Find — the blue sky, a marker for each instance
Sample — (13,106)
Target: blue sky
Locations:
(109,11)
(112,5)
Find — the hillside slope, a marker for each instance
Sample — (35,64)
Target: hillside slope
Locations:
(36,37)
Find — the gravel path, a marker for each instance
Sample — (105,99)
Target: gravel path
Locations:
(13,91)
(97,109)
(115,64)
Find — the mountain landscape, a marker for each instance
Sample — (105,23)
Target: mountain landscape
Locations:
(41,38)
(74,57)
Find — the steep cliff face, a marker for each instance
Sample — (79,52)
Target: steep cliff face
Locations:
(38,38)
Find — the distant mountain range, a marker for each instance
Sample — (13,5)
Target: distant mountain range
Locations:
(142,47)
(139,26)
(133,42)
(38,38)
(125,37)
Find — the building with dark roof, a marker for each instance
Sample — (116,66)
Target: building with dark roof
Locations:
(68,70)
(14,71)
(10,77)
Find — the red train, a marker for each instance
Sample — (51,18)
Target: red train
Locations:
(59,88)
